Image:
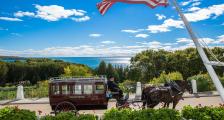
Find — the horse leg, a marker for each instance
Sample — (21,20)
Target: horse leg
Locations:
(164,105)
(175,102)
(168,105)
(143,104)
(154,104)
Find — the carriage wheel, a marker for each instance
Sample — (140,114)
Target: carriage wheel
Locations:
(65,107)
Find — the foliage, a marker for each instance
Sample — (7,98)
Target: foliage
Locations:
(150,64)
(146,114)
(77,70)
(127,86)
(69,116)
(3,72)
(204,82)
(102,69)
(188,113)
(203,113)
(37,69)
(120,73)
(13,113)
(222,80)
(164,77)
(37,91)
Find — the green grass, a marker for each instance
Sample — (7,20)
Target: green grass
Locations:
(37,91)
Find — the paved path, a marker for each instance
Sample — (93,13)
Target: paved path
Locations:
(45,107)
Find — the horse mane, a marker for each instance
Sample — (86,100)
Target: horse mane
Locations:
(179,81)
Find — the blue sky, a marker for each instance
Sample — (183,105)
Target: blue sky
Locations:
(37,28)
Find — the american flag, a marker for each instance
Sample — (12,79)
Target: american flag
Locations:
(106,4)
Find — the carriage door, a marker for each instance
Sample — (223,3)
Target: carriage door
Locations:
(88,93)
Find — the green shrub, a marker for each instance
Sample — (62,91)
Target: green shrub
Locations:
(69,116)
(13,113)
(146,114)
(164,77)
(204,82)
(125,86)
(87,117)
(203,113)
(166,114)
(222,80)
(115,114)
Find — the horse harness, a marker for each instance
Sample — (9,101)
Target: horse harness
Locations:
(162,89)
(171,84)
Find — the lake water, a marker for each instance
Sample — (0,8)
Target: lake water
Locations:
(93,62)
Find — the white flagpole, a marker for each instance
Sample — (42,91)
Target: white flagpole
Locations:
(201,52)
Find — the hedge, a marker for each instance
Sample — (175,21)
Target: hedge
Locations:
(146,114)
(13,113)
(69,116)
(203,113)
(187,113)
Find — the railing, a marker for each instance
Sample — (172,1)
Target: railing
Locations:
(79,78)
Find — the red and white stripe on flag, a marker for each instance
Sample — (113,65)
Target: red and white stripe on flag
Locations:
(106,4)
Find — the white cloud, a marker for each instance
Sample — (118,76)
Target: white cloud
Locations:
(196,4)
(132,31)
(82,19)
(205,13)
(220,39)
(207,40)
(10,19)
(203,41)
(95,35)
(54,13)
(100,50)
(142,35)
(107,42)
(197,14)
(160,16)
(165,27)
(183,40)
(185,3)
(22,14)
(192,9)
(154,43)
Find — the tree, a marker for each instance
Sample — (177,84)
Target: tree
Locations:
(3,72)
(166,77)
(102,69)
(110,70)
(76,70)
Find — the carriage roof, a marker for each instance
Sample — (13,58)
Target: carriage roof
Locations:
(91,79)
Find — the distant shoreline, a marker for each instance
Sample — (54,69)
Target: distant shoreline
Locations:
(92,62)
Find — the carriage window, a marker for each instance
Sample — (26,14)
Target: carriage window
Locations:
(99,88)
(55,89)
(88,89)
(64,89)
(77,89)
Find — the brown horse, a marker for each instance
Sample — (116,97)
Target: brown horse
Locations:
(172,92)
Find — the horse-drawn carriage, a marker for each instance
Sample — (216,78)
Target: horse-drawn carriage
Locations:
(77,93)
